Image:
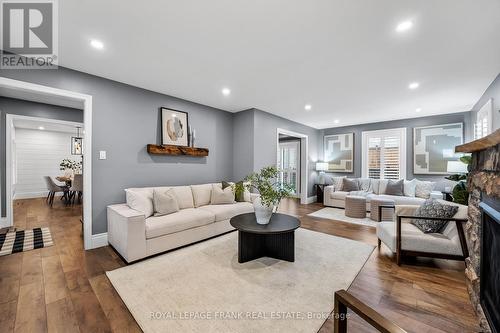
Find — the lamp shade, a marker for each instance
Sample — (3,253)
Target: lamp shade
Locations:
(456,167)
(321,166)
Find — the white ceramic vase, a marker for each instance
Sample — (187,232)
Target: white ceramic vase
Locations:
(262,213)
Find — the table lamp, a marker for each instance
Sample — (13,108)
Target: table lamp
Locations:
(321,167)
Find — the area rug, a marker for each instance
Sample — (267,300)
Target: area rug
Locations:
(203,288)
(338,214)
(24,240)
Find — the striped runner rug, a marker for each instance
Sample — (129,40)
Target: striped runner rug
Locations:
(24,240)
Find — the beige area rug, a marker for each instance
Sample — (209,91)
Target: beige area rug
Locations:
(203,288)
(339,215)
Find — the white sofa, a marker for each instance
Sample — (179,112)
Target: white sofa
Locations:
(136,233)
(374,188)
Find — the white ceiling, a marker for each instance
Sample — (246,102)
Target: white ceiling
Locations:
(341,56)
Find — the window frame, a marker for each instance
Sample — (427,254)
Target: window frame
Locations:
(365,135)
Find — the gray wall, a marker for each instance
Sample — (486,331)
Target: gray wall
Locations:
(243,134)
(265,127)
(493,91)
(32,109)
(125,119)
(462,117)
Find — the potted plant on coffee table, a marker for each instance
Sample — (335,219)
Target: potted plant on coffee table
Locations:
(267,184)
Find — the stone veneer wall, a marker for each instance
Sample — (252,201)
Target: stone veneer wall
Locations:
(483,179)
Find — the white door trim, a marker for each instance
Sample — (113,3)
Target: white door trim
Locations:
(304,160)
(32,89)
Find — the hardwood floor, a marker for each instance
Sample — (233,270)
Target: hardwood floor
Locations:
(64,289)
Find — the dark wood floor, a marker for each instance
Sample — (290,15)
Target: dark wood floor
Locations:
(64,289)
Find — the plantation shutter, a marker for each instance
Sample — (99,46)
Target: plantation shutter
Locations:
(383,154)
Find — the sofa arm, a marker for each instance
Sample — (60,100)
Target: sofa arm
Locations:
(127,232)
(253,196)
(436,195)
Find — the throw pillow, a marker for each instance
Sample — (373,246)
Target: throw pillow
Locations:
(424,189)
(222,196)
(409,187)
(365,184)
(433,208)
(164,202)
(239,190)
(337,183)
(141,200)
(395,188)
(349,185)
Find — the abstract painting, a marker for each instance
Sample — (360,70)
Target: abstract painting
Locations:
(339,152)
(174,127)
(434,146)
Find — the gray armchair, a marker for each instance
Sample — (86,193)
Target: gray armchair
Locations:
(53,188)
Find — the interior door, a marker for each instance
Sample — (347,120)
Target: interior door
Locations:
(289,165)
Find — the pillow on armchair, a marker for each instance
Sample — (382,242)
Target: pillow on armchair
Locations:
(433,208)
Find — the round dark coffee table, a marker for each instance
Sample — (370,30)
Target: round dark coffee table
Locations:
(275,240)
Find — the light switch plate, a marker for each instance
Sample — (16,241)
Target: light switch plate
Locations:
(102,154)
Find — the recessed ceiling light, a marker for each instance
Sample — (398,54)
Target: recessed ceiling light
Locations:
(308,107)
(404,26)
(336,121)
(97,44)
(418,109)
(226,91)
(413,85)
(41,128)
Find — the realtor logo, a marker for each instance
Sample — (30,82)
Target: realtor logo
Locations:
(29,34)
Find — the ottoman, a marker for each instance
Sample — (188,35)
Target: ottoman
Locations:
(376,212)
(355,206)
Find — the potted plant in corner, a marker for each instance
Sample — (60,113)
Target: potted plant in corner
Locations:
(270,192)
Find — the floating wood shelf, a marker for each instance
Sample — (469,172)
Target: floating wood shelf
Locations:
(177,150)
(480,144)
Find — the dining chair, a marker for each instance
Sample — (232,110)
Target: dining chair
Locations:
(76,188)
(53,188)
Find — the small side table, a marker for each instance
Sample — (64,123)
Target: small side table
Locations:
(447,196)
(320,190)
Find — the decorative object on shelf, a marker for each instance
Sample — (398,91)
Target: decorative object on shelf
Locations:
(192,136)
(266,182)
(321,167)
(174,127)
(176,150)
(460,171)
(339,152)
(76,143)
(434,147)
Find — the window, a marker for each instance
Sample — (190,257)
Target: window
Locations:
(384,154)
(483,121)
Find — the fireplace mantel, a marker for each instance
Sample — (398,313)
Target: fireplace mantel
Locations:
(480,144)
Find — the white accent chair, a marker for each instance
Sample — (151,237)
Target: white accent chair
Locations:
(405,239)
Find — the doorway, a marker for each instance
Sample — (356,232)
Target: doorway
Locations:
(292,161)
(48,95)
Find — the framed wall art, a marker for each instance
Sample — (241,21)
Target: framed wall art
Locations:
(174,127)
(339,152)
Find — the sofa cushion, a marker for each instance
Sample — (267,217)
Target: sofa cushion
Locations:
(401,200)
(141,200)
(433,208)
(339,195)
(164,202)
(201,194)
(222,196)
(382,184)
(349,185)
(423,189)
(375,185)
(410,187)
(182,220)
(365,184)
(395,187)
(184,196)
(224,212)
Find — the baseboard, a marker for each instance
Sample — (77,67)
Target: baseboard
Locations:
(311,199)
(30,195)
(99,240)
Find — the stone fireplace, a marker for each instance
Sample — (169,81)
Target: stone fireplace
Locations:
(483,184)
